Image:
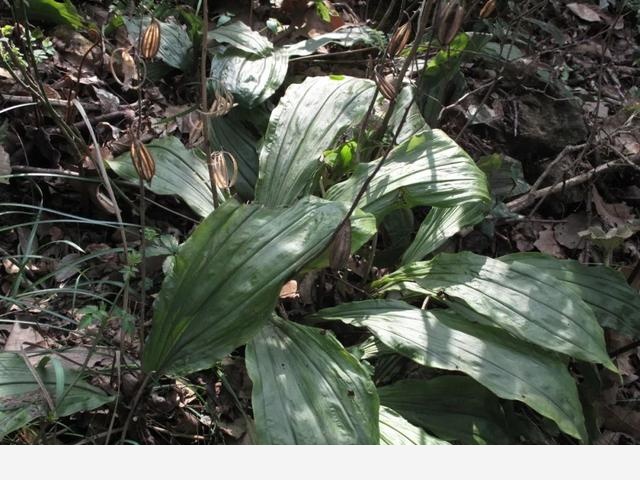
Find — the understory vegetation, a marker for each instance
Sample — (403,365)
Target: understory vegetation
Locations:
(293,222)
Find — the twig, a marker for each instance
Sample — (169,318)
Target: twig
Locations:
(526,200)
(56,102)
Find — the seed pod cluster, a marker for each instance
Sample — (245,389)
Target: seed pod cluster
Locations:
(142,161)
(399,40)
(387,88)
(449,21)
(150,42)
(487,9)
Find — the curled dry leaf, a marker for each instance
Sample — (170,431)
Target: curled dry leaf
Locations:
(130,73)
(289,290)
(222,102)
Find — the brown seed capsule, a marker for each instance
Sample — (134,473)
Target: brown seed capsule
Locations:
(387,88)
(399,40)
(219,171)
(341,247)
(487,9)
(450,21)
(150,43)
(142,161)
(222,102)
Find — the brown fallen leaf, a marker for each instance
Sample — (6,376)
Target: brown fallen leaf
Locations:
(567,233)
(547,243)
(289,290)
(622,419)
(21,338)
(588,13)
(614,214)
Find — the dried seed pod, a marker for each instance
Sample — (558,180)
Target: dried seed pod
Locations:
(142,160)
(222,102)
(450,21)
(387,88)
(150,42)
(488,8)
(219,172)
(399,39)
(341,247)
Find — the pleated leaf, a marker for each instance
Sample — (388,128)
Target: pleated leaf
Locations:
(305,123)
(250,78)
(22,399)
(615,304)
(346,37)
(439,225)
(427,169)
(243,38)
(307,389)
(510,368)
(395,430)
(521,299)
(454,408)
(178,172)
(226,279)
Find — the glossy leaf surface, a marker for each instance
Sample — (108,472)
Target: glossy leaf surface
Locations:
(226,279)
(437,338)
(307,389)
(306,122)
(523,300)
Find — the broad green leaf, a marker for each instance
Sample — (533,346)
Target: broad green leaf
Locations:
(230,133)
(395,430)
(411,123)
(454,408)
(22,400)
(439,225)
(175,44)
(305,123)
(227,276)
(523,300)
(178,172)
(52,12)
(251,79)
(509,367)
(427,169)
(307,389)
(505,175)
(615,304)
(346,37)
(243,38)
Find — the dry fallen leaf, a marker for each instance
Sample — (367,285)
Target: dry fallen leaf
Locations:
(547,243)
(21,337)
(614,214)
(289,290)
(588,13)
(567,233)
